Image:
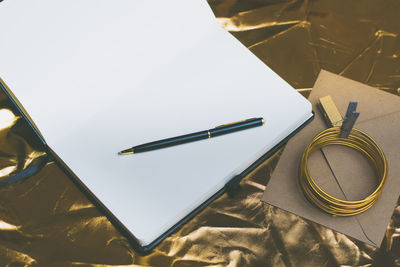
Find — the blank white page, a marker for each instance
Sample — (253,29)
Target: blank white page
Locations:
(100,76)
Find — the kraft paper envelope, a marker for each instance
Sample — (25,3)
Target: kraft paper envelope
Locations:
(341,171)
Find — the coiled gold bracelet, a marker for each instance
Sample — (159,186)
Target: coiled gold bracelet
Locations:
(357,140)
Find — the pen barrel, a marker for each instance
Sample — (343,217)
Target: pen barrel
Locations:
(234,127)
(187,138)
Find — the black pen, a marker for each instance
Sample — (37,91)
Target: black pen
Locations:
(217,131)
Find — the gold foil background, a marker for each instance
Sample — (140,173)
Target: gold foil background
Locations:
(46,221)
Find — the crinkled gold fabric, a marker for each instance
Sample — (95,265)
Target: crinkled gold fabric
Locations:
(46,221)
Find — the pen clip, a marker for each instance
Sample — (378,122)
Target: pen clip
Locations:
(227,124)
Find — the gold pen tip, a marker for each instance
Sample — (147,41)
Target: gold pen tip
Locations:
(126,152)
(263,121)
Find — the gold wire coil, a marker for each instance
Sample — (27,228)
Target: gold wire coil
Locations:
(357,140)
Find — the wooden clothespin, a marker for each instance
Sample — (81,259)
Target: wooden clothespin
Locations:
(333,118)
(349,120)
(330,112)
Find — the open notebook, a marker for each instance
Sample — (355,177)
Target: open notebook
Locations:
(100,76)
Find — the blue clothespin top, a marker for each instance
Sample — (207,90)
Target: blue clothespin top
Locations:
(349,120)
